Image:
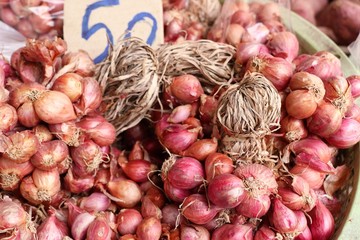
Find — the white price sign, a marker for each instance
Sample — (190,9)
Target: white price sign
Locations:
(92,24)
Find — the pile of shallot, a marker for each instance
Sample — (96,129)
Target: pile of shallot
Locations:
(34,18)
(256,157)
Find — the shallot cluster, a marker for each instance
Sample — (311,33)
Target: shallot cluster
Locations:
(64,173)
(34,18)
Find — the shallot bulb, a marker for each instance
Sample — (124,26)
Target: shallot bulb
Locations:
(90,99)
(300,104)
(305,80)
(21,146)
(8,117)
(81,61)
(95,202)
(184,173)
(52,228)
(196,209)
(50,154)
(70,84)
(322,64)
(284,44)
(322,222)
(98,129)
(294,129)
(233,232)
(186,88)
(41,186)
(149,229)
(54,107)
(12,214)
(325,121)
(128,220)
(216,164)
(194,232)
(283,218)
(247,50)
(275,69)
(87,158)
(354,81)
(125,192)
(11,173)
(347,135)
(338,92)
(226,190)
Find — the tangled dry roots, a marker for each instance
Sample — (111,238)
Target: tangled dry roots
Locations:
(250,107)
(206,10)
(129,82)
(210,61)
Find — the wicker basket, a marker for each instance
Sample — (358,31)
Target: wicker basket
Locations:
(312,40)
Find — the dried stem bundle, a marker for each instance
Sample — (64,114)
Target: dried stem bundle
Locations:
(129,82)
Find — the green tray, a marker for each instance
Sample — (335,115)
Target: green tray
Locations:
(312,40)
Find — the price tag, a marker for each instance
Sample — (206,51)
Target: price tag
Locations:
(92,25)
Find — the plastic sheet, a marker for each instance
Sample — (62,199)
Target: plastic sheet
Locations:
(10,40)
(354,49)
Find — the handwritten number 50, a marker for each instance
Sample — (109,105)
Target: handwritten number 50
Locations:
(88,31)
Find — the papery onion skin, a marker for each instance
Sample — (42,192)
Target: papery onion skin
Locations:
(90,99)
(76,184)
(11,173)
(245,51)
(54,107)
(216,164)
(50,154)
(23,145)
(226,191)
(347,135)
(313,177)
(52,228)
(312,146)
(41,186)
(81,59)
